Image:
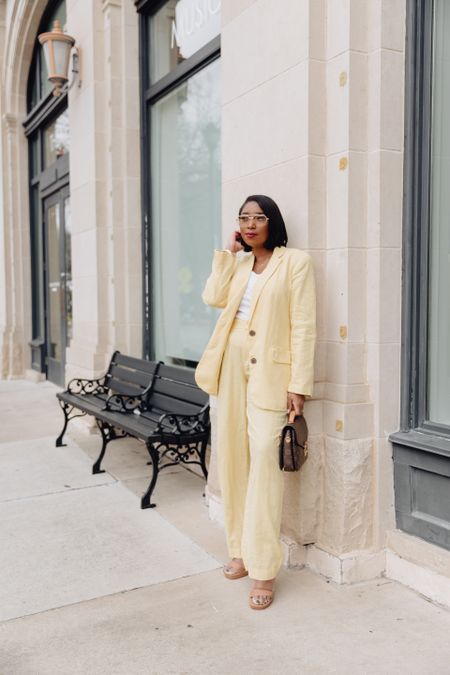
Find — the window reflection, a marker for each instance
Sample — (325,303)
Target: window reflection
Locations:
(54,282)
(68,269)
(56,139)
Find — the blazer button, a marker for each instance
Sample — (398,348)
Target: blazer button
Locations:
(252,333)
(253,360)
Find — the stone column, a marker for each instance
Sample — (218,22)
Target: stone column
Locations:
(104,184)
(347,517)
(364,187)
(123,171)
(15,318)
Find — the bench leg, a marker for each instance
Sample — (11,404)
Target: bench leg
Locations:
(67,409)
(154,454)
(202,454)
(107,433)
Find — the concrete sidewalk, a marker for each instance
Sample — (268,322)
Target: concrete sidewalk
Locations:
(91,584)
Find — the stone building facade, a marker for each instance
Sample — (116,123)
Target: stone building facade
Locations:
(305,100)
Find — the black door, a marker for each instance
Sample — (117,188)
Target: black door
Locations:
(58,282)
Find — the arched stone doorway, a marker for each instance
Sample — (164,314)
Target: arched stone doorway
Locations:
(30,114)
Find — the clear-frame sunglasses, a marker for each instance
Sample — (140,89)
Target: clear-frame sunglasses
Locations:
(259,218)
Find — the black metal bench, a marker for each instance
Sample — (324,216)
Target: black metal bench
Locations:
(170,414)
(173,423)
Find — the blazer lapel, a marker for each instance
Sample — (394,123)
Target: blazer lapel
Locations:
(243,270)
(275,260)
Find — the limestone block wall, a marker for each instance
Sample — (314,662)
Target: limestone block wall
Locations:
(273,140)
(312,115)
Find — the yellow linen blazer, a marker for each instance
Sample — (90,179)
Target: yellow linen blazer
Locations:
(281,329)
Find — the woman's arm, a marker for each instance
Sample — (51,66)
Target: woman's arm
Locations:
(218,284)
(303,327)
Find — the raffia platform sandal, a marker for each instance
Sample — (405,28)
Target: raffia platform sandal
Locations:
(258,593)
(234,571)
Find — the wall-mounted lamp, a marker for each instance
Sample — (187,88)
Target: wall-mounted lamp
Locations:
(58,46)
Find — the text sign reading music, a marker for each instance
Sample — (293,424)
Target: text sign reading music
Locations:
(196,23)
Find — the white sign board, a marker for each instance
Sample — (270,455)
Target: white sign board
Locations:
(196,23)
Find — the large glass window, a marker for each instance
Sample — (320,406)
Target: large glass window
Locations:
(182,182)
(439,305)
(185,169)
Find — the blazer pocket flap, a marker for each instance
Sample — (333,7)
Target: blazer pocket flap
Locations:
(281,355)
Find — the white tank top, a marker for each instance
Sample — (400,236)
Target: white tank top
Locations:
(244,308)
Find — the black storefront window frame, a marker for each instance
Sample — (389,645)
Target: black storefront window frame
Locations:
(150,94)
(421,448)
(416,228)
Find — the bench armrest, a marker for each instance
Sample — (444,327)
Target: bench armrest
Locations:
(184,424)
(83,386)
(124,403)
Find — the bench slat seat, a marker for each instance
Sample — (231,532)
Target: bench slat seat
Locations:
(145,427)
(90,403)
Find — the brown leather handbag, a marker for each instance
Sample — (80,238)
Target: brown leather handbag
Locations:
(294,443)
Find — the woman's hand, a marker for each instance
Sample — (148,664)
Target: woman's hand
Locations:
(295,402)
(234,245)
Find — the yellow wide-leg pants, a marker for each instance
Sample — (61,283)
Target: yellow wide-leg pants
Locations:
(249,474)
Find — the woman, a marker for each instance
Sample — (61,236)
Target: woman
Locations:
(259,363)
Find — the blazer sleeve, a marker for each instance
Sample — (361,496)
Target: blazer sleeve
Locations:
(217,286)
(303,327)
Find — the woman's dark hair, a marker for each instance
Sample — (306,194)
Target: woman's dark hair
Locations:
(277,228)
